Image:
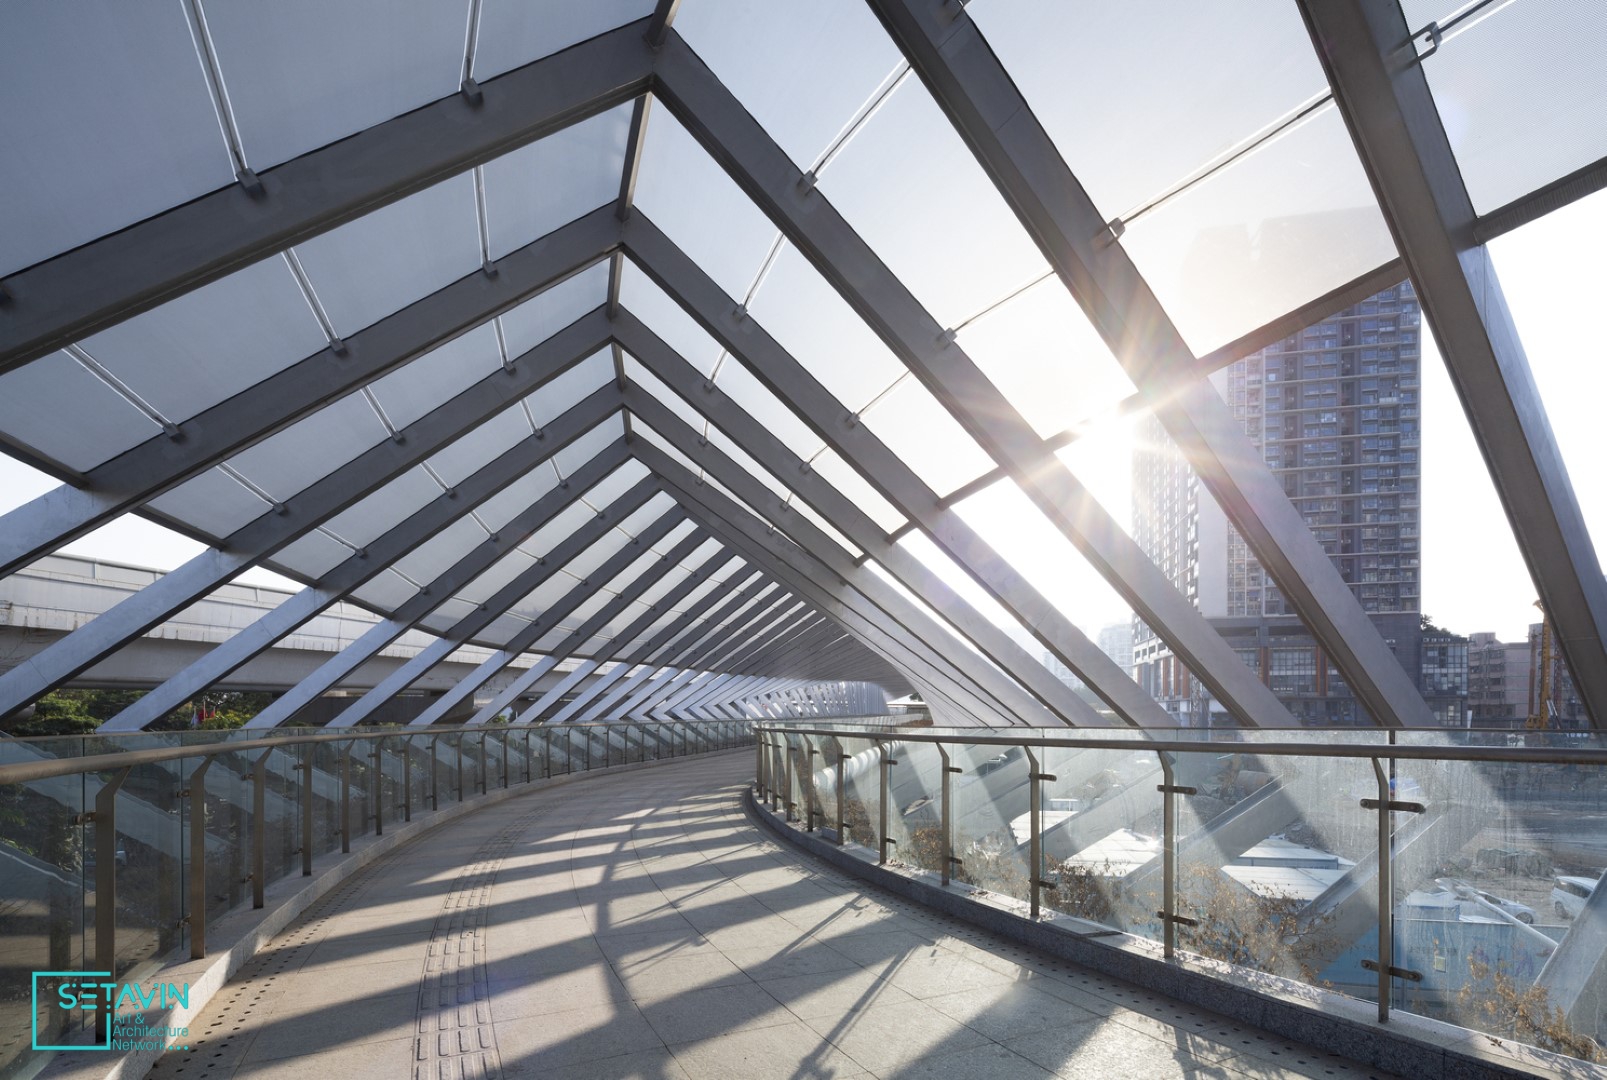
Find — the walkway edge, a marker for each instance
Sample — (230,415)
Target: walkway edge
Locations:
(243,932)
(1412,1046)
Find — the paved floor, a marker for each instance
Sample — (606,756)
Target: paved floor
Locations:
(638,925)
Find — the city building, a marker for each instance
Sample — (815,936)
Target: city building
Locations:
(1335,413)
(1498,681)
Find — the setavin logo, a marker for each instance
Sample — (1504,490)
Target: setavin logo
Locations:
(123,1005)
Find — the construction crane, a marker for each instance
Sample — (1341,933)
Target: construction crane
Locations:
(1540,718)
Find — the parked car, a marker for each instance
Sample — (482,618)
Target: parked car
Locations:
(1568,896)
(1463,891)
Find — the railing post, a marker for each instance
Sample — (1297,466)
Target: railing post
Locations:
(457,741)
(947,810)
(811,792)
(527,756)
(1386,891)
(105,818)
(778,798)
(197,794)
(842,776)
(376,766)
(346,797)
(259,831)
(485,761)
(789,808)
(1168,911)
(435,774)
(407,778)
(546,755)
(1035,779)
(758,768)
(505,733)
(885,771)
(306,810)
(588,749)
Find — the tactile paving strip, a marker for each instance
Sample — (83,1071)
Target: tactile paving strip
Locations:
(455,1038)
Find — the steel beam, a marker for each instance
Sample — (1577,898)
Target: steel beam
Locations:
(1011,700)
(441,589)
(402,538)
(769,451)
(527,636)
(162,462)
(764,171)
(295,517)
(1381,90)
(795,567)
(955,62)
(101,283)
(747,340)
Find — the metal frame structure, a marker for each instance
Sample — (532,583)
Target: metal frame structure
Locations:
(815,614)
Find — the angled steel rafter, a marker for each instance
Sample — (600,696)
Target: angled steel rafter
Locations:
(613,686)
(764,171)
(66,298)
(639,625)
(967,81)
(401,538)
(330,674)
(547,621)
(762,355)
(1013,701)
(770,452)
(807,577)
(510,693)
(1384,96)
(568,647)
(298,515)
(161,463)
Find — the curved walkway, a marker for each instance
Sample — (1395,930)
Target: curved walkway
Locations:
(638,925)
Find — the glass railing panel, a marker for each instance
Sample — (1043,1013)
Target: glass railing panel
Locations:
(282,801)
(325,797)
(48,908)
(861,799)
(1491,885)
(989,793)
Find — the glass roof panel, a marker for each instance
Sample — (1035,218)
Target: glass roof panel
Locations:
(1020,534)
(640,376)
(544,314)
(1195,81)
(720,441)
(741,387)
(701,554)
(501,630)
(641,296)
(545,595)
(313,555)
(303,73)
(563,392)
(481,446)
(200,348)
(798,506)
(531,191)
(589,445)
(698,206)
(764,53)
(436,555)
(673,537)
(367,520)
(672,577)
(616,483)
(517,497)
(813,322)
(1046,358)
(645,515)
(663,444)
(312,448)
(919,545)
(833,469)
(387,591)
(515,32)
(35,397)
(556,531)
(1284,224)
(947,628)
(931,442)
(381,262)
(438,376)
(1521,90)
(214,502)
(917,195)
(123,85)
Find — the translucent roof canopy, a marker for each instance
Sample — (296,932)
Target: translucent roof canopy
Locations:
(748,339)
